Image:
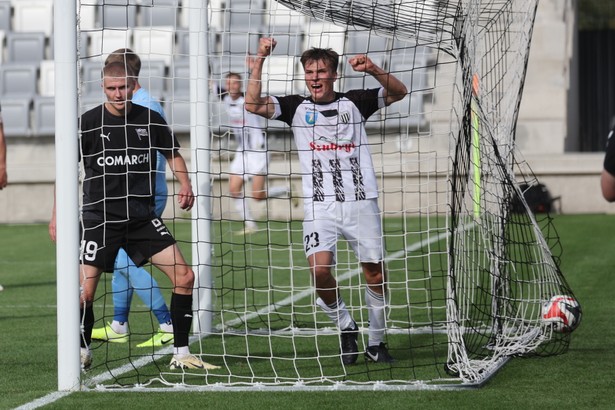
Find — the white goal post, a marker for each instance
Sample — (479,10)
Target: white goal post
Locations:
(469,265)
(67,202)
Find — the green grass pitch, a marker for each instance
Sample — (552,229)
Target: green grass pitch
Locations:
(582,378)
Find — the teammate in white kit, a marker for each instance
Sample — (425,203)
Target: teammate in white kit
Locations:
(339,182)
(251,156)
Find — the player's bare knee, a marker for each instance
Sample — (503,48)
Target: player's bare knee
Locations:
(375,280)
(374,273)
(184,277)
(321,273)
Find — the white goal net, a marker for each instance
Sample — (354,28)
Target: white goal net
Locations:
(468,264)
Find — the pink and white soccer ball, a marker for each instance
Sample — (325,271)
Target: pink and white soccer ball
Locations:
(562,313)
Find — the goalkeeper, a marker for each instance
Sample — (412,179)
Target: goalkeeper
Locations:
(127,277)
(119,142)
(339,182)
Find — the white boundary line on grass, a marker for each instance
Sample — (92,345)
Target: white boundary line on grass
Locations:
(105,376)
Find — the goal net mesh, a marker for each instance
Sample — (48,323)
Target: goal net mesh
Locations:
(469,265)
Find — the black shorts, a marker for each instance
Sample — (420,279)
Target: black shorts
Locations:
(142,238)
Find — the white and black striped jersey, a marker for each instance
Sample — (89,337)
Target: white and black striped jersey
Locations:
(331,140)
(247,127)
(119,160)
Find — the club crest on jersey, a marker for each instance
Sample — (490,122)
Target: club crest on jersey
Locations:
(141,132)
(311,117)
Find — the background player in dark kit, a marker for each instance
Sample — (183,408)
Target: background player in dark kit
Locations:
(119,142)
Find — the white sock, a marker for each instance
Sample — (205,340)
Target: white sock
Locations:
(238,206)
(242,206)
(181,351)
(337,312)
(376,313)
(119,327)
(277,192)
(166,327)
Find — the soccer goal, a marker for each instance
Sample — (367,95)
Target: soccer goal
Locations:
(469,266)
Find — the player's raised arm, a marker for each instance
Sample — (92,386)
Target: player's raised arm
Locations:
(254,102)
(394,90)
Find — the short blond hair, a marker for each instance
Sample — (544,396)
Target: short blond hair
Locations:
(118,69)
(125,56)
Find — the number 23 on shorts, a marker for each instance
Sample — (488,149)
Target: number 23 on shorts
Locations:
(311,241)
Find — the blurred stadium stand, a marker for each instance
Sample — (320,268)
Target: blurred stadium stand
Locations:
(158,31)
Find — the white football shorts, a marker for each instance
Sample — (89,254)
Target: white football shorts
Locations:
(249,163)
(359,222)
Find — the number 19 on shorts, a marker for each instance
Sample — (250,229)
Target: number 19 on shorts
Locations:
(88,250)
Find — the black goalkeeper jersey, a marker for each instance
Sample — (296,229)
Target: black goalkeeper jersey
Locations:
(119,160)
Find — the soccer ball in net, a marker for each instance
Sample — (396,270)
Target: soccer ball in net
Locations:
(562,313)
